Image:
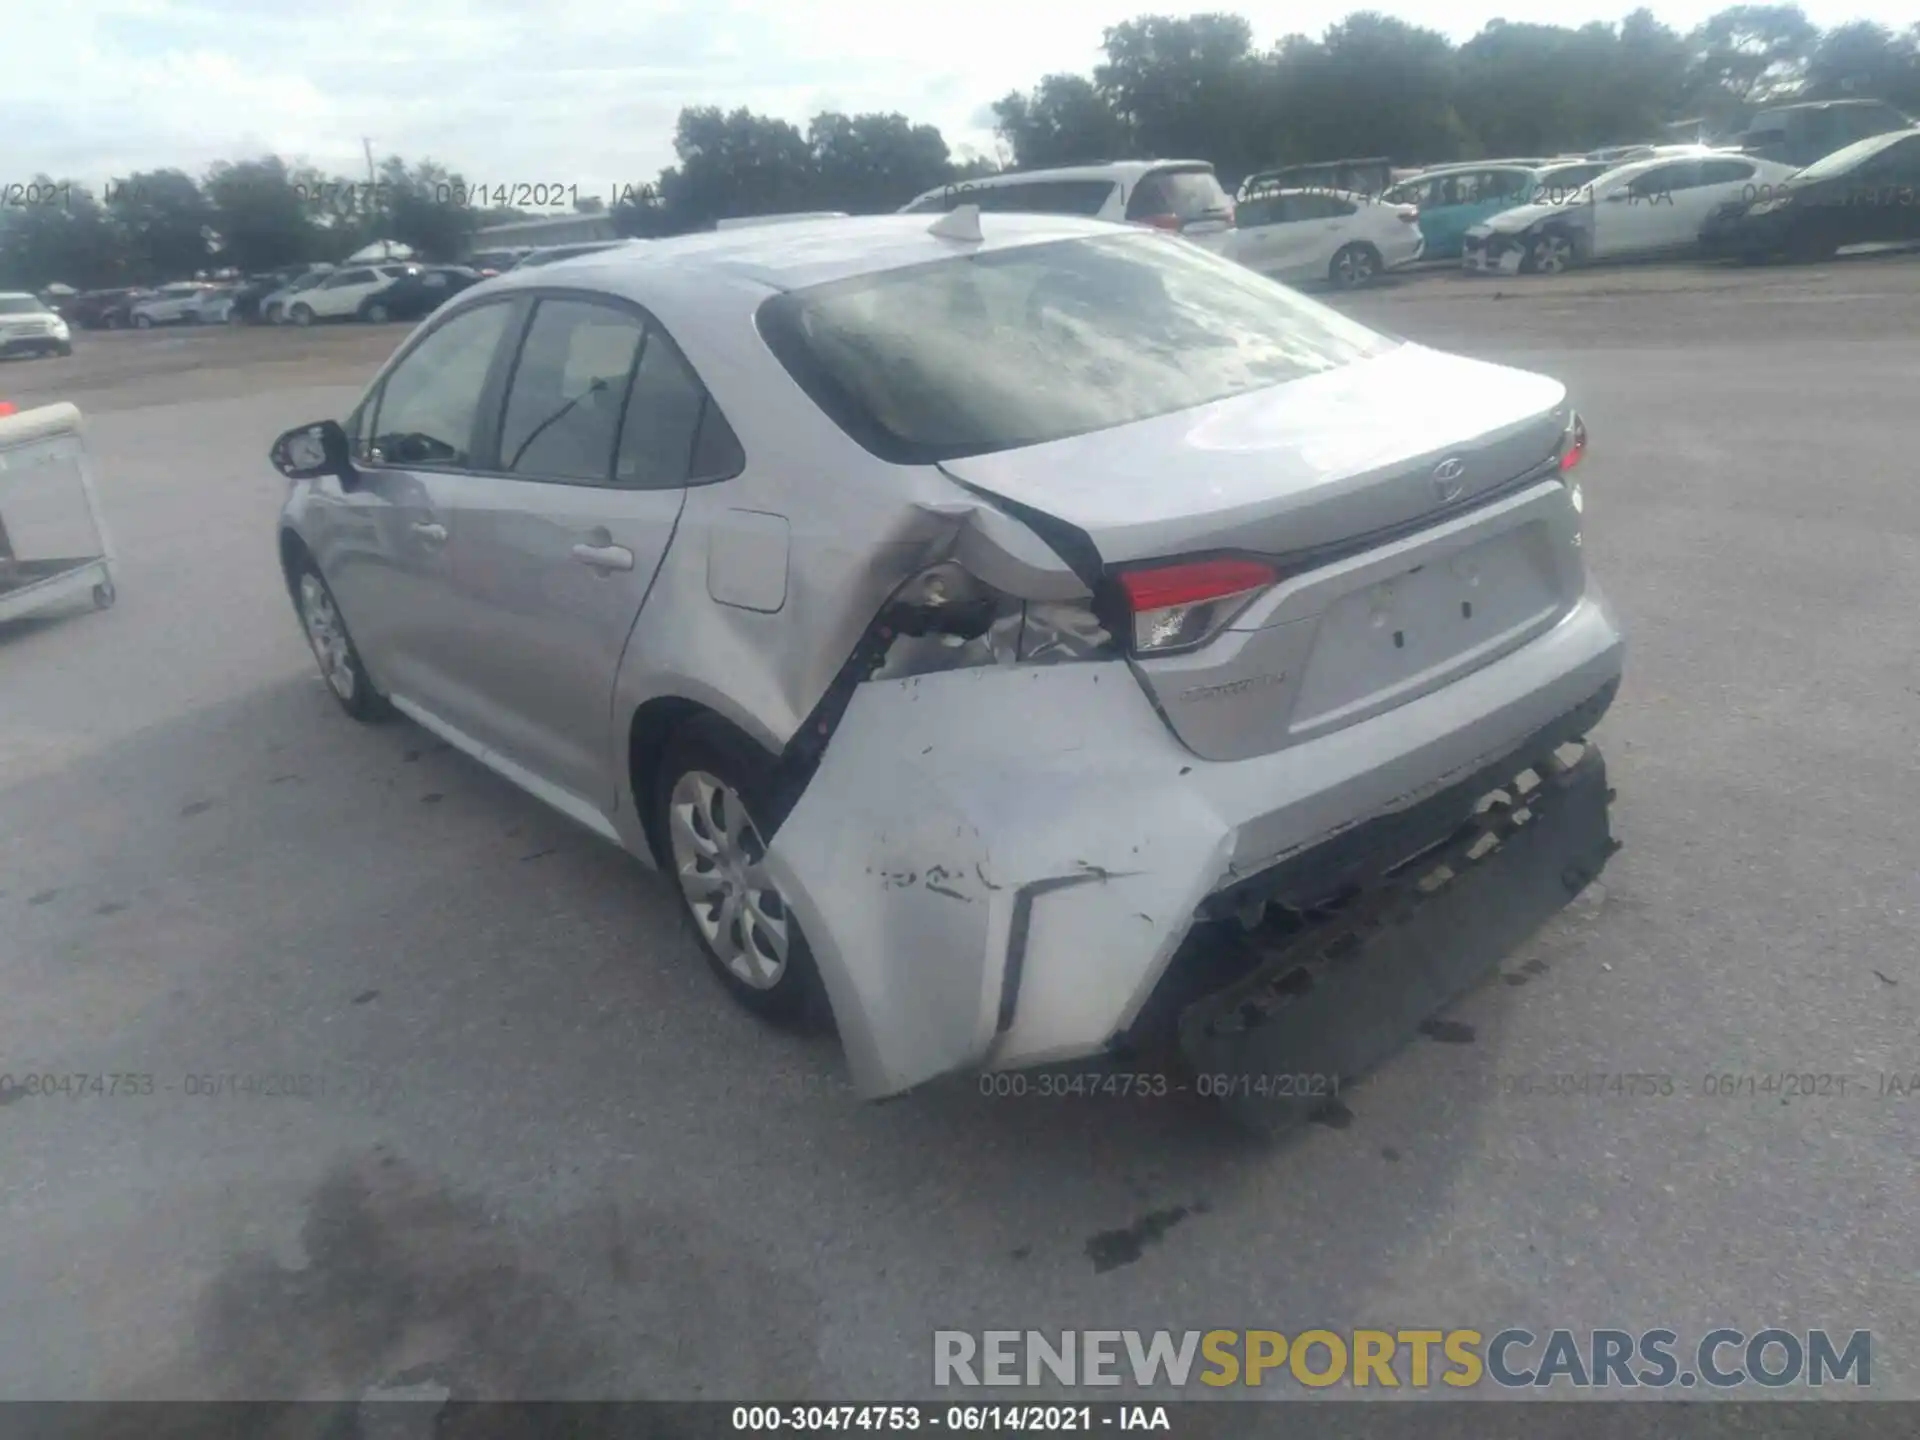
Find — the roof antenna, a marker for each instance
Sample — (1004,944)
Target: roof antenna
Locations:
(961,223)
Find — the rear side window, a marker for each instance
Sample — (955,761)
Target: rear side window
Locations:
(1015,347)
(1190,193)
(663,419)
(1725,172)
(568,387)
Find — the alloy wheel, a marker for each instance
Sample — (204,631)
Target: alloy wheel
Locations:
(328,636)
(720,861)
(1552,254)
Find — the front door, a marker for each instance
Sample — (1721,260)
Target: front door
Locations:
(555,549)
(383,544)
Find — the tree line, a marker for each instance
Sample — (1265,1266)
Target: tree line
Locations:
(1190,86)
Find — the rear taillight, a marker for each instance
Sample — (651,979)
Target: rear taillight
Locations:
(1176,607)
(1161,222)
(1573,443)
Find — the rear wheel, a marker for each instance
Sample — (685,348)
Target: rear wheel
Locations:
(374,313)
(1355,266)
(143,322)
(712,782)
(302,315)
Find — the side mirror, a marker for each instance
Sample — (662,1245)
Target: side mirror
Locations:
(310,451)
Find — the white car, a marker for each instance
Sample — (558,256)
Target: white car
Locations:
(1181,196)
(211,307)
(1649,207)
(169,305)
(1314,234)
(29,327)
(338,296)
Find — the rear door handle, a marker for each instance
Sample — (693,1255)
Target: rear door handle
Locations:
(604,557)
(430,531)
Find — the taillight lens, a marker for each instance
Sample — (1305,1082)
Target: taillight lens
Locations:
(1573,449)
(1176,607)
(1573,443)
(1161,222)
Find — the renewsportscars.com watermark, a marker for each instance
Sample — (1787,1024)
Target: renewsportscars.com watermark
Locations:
(1452,1360)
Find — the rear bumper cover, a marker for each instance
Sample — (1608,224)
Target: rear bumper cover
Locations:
(996,867)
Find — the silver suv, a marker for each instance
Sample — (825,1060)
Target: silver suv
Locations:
(989,625)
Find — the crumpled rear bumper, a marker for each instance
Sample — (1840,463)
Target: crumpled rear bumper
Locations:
(995,866)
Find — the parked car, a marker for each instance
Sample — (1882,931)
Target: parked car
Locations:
(213,306)
(273,309)
(969,740)
(338,296)
(175,304)
(28,326)
(253,293)
(1451,199)
(1801,134)
(103,309)
(551,254)
(1865,193)
(1331,235)
(1648,207)
(420,291)
(1182,196)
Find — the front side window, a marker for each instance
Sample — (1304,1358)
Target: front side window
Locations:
(430,400)
(1005,348)
(568,387)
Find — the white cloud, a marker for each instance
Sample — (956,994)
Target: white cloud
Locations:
(571,91)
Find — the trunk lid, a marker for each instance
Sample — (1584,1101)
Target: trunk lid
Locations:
(1296,467)
(1369,488)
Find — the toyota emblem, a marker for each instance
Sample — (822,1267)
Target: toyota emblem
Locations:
(1449,478)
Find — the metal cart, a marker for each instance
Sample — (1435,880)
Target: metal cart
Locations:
(53,543)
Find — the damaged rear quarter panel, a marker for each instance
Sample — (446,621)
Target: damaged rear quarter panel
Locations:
(941,800)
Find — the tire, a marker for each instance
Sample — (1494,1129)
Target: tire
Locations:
(64,350)
(301,315)
(1354,267)
(1550,254)
(333,647)
(710,782)
(143,322)
(113,322)
(374,313)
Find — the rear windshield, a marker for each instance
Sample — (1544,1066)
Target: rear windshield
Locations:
(1007,348)
(1193,193)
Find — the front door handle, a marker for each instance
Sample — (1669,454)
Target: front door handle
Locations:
(430,531)
(604,557)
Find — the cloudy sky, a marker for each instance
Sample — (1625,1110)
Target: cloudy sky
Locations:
(569,92)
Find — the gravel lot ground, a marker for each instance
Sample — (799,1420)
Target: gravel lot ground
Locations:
(550,1159)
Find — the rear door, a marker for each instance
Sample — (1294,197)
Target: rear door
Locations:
(1286,235)
(603,426)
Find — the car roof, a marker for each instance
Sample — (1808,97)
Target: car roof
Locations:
(756,260)
(1127,170)
(18,295)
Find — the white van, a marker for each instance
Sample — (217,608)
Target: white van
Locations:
(1183,196)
